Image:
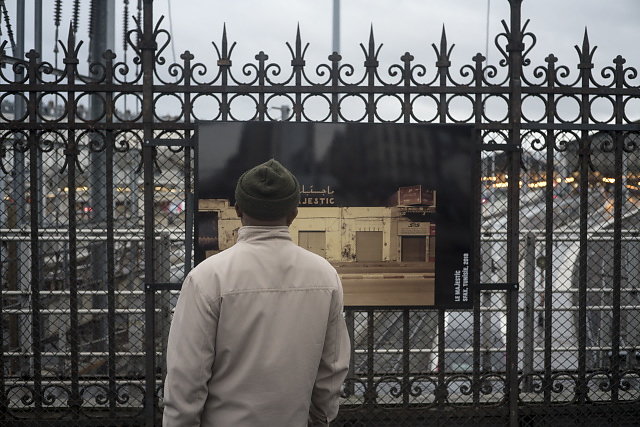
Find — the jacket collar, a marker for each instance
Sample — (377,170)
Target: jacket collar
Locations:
(255,233)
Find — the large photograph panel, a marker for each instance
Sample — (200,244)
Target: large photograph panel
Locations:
(389,205)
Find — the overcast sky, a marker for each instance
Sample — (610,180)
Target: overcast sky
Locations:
(401,25)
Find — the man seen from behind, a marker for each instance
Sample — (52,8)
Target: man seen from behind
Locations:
(258,337)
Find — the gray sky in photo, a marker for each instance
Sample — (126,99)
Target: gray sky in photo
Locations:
(400,25)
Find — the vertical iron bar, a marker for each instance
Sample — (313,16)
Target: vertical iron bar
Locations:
(442,393)
(406,354)
(617,267)
(443,65)
(349,317)
(406,72)
(23,329)
(478,106)
(370,394)
(71,155)
(19,111)
(163,318)
(441,396)
(515,49)
(529,313)
(476,339)
(189,211)
(224,63)
(584,155)
(261,107)
(148,59)
(109,56)
(37,43)
(548,249)
(619,199)
(371,63)
(335,81)
(298,65)
(36,259)
(75,400)
(441,389)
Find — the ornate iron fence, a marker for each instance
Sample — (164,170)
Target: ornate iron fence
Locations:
(95,242)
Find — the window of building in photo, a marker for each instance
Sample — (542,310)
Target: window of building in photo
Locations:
(314,241)
(368,246)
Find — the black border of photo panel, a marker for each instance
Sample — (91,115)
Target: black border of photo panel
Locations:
(455,171)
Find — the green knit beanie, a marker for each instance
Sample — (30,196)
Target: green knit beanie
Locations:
(268,191)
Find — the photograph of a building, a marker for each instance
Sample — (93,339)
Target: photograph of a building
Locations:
(385,255)
(367,204)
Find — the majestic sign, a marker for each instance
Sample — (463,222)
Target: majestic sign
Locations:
(321,197)
(389,205)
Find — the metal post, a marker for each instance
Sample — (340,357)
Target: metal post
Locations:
(188,154)
(336,26)
(109,56)
(585,68)
(441,391)
(163,275)
(529,301)
(619,202)
(37,30)
(350,322)
(617,270)
(148,57)
(515,49)
(548,226)
(478,170)
(370,393)
(406,355)
(19,188)
(71,154)
(38,206)
(35,254)
(487,319)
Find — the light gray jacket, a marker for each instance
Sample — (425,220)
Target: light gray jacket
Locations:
(257,338)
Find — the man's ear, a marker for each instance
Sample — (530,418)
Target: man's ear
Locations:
(292,216)
(238,211)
